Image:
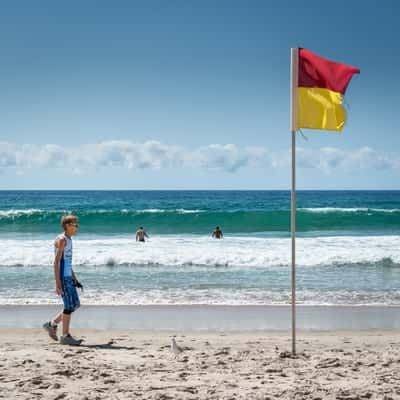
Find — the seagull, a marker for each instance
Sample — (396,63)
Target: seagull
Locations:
(175,348)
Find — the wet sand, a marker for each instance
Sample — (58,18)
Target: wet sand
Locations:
(209,317)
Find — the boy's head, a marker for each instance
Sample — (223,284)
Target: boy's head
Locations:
(69,224)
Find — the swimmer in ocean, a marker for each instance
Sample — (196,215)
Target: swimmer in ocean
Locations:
(141,234)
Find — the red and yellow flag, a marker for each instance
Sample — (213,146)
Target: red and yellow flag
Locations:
(321,86)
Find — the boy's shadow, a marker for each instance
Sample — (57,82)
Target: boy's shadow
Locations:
(109,346)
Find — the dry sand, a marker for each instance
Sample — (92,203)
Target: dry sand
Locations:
(241,365)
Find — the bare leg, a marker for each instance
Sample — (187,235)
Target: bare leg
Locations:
(66,318)
(58,318)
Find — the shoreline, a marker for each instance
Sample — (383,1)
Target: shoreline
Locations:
(210,317)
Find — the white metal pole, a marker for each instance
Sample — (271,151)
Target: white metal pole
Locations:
(293,127)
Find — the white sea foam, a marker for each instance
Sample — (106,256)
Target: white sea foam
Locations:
(348,210)
(173,250)
(198,270)
(178,211)
(30,211)
(12,212)
(152,296)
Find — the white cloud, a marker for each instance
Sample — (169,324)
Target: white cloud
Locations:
(329,159)
(155,155)
(227,157)
(151,154)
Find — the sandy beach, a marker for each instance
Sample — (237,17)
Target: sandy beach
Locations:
(127,364)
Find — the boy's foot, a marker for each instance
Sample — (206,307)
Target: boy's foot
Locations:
(51,330)
(68,339)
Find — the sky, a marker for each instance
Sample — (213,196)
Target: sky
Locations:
(191,94)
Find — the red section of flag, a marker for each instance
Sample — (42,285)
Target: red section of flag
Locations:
(315,71)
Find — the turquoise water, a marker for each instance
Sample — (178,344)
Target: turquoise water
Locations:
(174,212)
(347,248)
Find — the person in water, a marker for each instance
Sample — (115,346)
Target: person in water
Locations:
(217,233)
(141,234)
(66,282)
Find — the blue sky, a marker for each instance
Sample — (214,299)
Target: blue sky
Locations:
(190,94)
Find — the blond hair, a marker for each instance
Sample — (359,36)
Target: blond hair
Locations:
(68,219)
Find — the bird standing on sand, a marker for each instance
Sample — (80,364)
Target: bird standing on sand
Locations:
(175,348)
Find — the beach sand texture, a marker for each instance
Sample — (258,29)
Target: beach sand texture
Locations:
(214,365)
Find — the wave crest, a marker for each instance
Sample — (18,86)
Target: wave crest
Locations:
(198,251)
(198,221)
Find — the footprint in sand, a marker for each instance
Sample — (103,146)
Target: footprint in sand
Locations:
(37,380)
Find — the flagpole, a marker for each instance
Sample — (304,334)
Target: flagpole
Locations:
(293,127)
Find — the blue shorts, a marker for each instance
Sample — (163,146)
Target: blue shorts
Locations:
(69,295)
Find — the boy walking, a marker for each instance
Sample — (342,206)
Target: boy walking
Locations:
(66,282)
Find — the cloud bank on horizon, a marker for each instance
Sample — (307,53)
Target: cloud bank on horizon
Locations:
(155,155)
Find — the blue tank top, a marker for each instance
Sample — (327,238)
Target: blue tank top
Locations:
(65,265)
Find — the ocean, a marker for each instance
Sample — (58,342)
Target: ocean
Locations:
(348,249)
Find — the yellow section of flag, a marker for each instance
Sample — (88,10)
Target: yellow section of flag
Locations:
(320,108)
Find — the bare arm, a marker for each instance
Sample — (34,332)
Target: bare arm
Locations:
(60,248)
